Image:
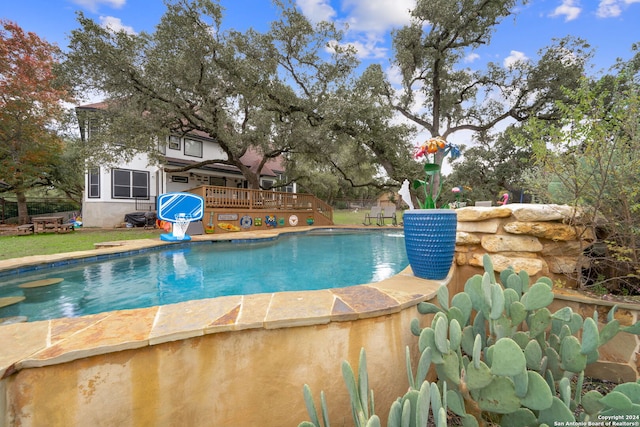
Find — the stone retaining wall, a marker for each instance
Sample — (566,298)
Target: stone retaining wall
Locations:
(543,240)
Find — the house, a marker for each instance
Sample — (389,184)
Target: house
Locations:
(113,192)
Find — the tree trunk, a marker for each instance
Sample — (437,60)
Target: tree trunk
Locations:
(437,178)
(23,213)
(253,179)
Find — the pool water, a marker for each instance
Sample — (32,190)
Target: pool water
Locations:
(309,261)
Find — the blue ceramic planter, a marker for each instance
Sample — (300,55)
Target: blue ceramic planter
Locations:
(430,240)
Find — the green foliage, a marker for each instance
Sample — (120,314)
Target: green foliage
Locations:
(311,409)
(362,404)
(31,112)
(440,35)
(274,91)
(591,158)
(489,167)
(511,372)
(492,369)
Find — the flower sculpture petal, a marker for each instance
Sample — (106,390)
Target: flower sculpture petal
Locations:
(454,151)
(422,150)
(435,144)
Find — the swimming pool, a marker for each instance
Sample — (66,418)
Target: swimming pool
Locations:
(299,261)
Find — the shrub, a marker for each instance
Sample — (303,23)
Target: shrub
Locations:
(590,159)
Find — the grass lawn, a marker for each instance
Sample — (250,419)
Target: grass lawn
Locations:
(348,217)
(81,240)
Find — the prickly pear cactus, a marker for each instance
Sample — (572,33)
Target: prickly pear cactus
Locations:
(501,358)
(498,348)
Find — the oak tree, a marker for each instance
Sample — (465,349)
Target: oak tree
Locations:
(443,96)
(251,90)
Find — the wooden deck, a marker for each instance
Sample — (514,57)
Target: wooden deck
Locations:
(230,205)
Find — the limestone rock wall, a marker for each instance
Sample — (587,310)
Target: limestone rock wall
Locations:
(543,240)
(547,240)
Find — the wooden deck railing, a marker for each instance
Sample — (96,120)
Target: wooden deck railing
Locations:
(241,198)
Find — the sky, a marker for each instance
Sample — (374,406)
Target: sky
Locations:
(610,26)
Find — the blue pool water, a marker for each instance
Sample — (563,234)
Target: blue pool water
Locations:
(316,260)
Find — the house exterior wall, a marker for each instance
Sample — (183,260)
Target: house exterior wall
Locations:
(105,211)
(138,183)
(210,150)
(105,214)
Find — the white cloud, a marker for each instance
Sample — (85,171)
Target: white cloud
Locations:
(369,21)
(514,57)
(609,9)
(569,9)
(613,8)
(316,10)
(93,5)
(472,57)
(115,25)
(377,15)
(394,75)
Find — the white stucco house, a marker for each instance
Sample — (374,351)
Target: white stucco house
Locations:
(112,192)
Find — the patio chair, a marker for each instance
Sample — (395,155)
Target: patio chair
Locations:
(375,213)
(390,213)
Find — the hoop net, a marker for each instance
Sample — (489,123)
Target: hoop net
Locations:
(180,225)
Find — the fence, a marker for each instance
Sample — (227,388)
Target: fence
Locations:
(146,205)
(353,204)
(35,206)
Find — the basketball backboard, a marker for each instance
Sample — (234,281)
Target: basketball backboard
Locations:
(172,205)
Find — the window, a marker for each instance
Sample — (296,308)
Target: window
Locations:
(192,148)
(128,184)
(174,142)
(162,148)
(287,188)
(94,127)
(179,178)
(94,183)
(217,180)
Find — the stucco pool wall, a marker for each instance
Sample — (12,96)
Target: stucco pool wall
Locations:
(228,361)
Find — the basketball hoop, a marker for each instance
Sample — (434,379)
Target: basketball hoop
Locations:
(180,225)
(179,209)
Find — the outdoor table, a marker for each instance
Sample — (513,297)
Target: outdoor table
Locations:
(47,223)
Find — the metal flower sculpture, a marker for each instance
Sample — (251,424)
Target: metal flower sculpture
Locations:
(432,169)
